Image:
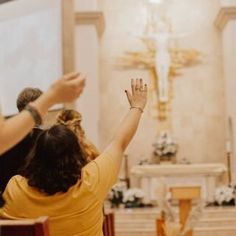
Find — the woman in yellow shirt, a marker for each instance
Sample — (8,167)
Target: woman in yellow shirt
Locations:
(58,184)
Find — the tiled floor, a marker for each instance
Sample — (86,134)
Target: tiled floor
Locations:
(218,221)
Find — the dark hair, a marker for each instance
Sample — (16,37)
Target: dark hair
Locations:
(2,201)
(55,163)
(26,96)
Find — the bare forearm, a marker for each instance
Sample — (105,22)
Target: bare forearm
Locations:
(17,127)
(43,103)
(14,129)
(63,90)
(127,128)
(137,100)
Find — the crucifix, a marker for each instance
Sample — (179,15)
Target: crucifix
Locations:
(163,62)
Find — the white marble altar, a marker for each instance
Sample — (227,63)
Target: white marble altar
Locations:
(204,175)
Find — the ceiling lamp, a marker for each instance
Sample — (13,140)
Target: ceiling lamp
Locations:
(155,1)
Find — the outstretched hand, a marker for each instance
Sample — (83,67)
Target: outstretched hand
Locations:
(68,88)
(138,95)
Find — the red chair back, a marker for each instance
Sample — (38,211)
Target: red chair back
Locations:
(38,227)
(109,225)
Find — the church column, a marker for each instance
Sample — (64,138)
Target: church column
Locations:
(89,27)
(226,23)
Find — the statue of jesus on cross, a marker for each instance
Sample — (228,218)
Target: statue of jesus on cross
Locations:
(160,58)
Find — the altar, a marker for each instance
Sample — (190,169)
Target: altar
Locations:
(204,175)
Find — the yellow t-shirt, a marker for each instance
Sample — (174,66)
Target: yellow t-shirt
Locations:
(77,212)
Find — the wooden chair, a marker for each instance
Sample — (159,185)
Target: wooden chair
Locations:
(28,227)
(109,224)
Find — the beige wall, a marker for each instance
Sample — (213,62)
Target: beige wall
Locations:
(229,55)
(198,108)
(86,5)
(198,121)
(86,60)
(227,3)
(30,36)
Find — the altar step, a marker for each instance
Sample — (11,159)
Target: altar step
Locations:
(211,212)
(214,222)
(133,222)
(214,231)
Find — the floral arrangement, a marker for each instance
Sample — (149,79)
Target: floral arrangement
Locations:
(131,197)
(116,194)
(225,196)
(165,147)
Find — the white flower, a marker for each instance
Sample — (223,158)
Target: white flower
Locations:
(117,189)
(120,186)
(165,145)
(138,193)
(111,195)
(224,194)
(132,194)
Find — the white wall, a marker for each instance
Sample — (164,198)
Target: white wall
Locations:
(86,5)
(87,62)
(87,55)
(229,55)
(30,48)
(228,3)
(198,106)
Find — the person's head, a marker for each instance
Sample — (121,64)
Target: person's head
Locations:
(72,120)
(56,161)
(26,96)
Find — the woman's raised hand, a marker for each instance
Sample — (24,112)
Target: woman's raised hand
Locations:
(68,88)
(138,96)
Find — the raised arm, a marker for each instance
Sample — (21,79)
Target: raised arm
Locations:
(137,100)
(63,90)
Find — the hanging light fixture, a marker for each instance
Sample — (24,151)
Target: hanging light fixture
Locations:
(155,1)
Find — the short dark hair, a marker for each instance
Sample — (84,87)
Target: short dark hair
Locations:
(26,96)
(56,161)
